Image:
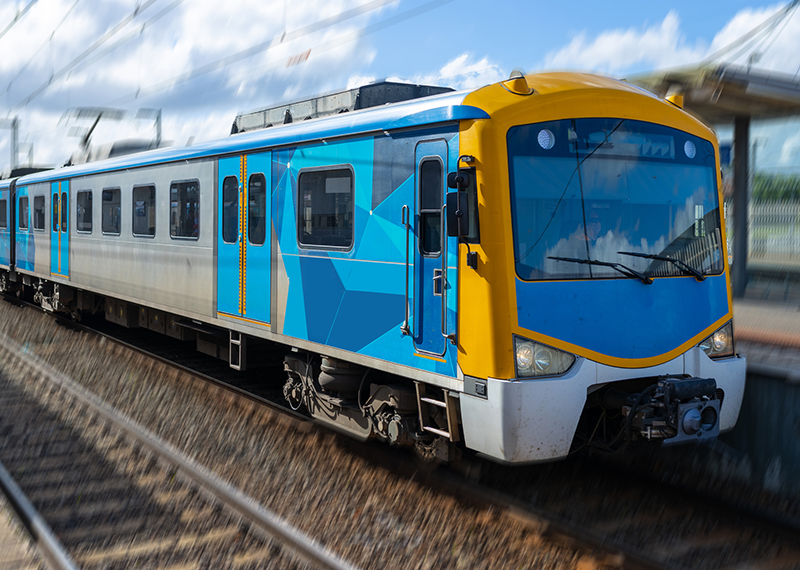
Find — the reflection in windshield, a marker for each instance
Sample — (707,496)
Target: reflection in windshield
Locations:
(592,188)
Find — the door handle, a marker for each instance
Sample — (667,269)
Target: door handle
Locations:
(437,282)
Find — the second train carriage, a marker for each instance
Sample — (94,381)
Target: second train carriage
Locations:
(530,267)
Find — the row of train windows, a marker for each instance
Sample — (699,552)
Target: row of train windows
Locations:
(325,213)
(184,211)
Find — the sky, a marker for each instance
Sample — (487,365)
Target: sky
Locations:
(203,61)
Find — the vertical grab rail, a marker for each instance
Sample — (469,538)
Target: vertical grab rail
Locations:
(443,238)
(404,220)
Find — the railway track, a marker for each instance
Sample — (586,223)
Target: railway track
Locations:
(115,496)
(613,536)
(609,518)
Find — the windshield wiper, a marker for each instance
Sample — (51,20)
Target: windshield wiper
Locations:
(687,269)
(625,270)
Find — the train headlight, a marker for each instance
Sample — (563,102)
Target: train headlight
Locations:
(524,356)
(534,359)
(720,343)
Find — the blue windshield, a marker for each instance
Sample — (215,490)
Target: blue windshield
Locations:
(589,189)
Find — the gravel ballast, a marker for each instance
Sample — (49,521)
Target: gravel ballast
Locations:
(365,513)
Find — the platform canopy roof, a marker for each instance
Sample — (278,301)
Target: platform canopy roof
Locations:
(719,93)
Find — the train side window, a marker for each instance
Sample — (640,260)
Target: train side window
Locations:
(83,221)
(430,206)
(64,211)
(230,209)
(144,211)
(111,211)
(23,213)
(184,211)
(38,213)
(257,209)
(325,208)
(55,211)
(3,214)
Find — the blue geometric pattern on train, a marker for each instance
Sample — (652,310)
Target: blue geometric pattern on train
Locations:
(354,300)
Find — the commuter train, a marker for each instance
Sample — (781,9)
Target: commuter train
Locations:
(521,271)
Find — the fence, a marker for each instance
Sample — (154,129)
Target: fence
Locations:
(773,231)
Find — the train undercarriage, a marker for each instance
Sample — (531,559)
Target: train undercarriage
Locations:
(366,403)
(361,402)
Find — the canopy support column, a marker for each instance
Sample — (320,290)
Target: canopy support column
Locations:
(741,143)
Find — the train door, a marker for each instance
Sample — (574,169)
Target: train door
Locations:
(59,234)
(244,237)
(5,228)
(430,283)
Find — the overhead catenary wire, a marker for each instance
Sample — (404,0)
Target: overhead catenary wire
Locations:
(281,63)
(749,36)
(771,36)
(86,53)
(126,38)
(18,17)
(254,50)
(754,46)
(41,47)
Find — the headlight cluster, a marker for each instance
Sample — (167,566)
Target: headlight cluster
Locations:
(720,343)
(534,359)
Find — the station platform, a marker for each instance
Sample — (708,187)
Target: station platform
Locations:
(767,319)
(768,333)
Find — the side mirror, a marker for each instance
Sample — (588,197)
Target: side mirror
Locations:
(457,213)
(458,180)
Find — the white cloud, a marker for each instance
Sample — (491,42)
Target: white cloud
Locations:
(662,45)
(195,34)
(359,80)
(464,73)
(615,52)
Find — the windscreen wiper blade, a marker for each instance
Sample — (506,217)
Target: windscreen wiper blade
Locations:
(686,268)
(624,269)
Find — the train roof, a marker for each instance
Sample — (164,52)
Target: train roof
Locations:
(434,109)
(428,110)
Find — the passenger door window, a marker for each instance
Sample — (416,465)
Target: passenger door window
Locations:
(230,209)
(257,209)
(430,206)
(64,211)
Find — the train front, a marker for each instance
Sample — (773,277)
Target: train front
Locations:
(598,314)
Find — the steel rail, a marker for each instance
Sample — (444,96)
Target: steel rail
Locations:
(546,523)
(235,500)
(48,546)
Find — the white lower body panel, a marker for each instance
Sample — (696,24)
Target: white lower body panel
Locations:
(527,420)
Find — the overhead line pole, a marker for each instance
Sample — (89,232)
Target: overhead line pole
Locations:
(12,124)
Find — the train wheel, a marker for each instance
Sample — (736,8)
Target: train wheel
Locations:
(293,392)
(425,451)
